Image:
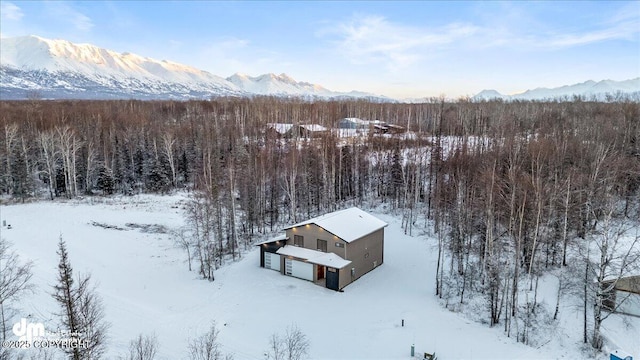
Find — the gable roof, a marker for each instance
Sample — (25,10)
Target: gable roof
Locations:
(280,128)
(313,127)
(282,237)
(348,224)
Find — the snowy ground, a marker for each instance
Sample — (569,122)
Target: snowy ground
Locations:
(146,288)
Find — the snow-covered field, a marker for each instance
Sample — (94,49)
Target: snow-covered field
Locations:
(146,288)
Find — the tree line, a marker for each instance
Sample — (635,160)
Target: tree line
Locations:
(514,190)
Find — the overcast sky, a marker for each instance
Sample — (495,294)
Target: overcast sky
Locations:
(399,49)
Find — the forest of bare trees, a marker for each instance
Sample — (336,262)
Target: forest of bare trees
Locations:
(513,190)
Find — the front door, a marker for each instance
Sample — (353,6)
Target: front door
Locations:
(320,272)
(332,279)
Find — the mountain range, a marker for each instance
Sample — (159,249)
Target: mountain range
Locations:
(600,90)
(54,69)
(32,66)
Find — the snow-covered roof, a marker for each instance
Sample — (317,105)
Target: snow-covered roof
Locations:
(348,224)
(277,238)
(314,256)
(361,121)
(355,120)
(313,127)
(280,128)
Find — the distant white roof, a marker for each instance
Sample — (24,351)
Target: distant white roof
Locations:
(348,224)
(364,122)
(356,120)
(313,127)
(314,256)
(279,127)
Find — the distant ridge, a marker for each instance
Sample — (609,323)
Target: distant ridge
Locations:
(58,69)
(600,90)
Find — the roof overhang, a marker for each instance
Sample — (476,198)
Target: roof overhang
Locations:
(314,256)
(272,240)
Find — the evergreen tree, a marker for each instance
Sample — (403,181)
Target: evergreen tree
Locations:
(66,297)
(397,175)
(61,180)
(82,311)
(183,168)
(21,181)
(106,182)
(158,180)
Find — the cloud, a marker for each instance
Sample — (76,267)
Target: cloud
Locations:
(66,13)
(228,55)
(560,29)
(577,39)
(81,21)
(500,34)
(221,55)
(620,27)
(366,39)
(230,43)
(10,11)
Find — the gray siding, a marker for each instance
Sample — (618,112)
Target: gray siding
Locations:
(311,233)
(363,253)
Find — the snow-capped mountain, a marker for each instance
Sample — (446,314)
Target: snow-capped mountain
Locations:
(270,84)
(600,90)
(61,69)
(283,84)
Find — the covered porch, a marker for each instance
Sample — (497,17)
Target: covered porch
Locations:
(319,267)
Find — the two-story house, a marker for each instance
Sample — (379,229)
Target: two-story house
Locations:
(332,250)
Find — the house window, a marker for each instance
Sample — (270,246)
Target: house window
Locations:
(298,240)
(339,244)
(322,245)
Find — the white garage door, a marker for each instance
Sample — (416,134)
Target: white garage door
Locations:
(299,269)
(272,261)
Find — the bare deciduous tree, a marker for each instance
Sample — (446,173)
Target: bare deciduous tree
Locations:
(14,280)
(617,254)
(293,345)
(206,346)
(143,347)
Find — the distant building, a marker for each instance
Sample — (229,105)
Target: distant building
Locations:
(332,250)
(311,131)
(395,129)
(279,130)
(625,296)
(348,125)
(282,130)
(353,123)
(620,355)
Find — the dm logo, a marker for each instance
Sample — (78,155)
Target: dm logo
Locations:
(28,331)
